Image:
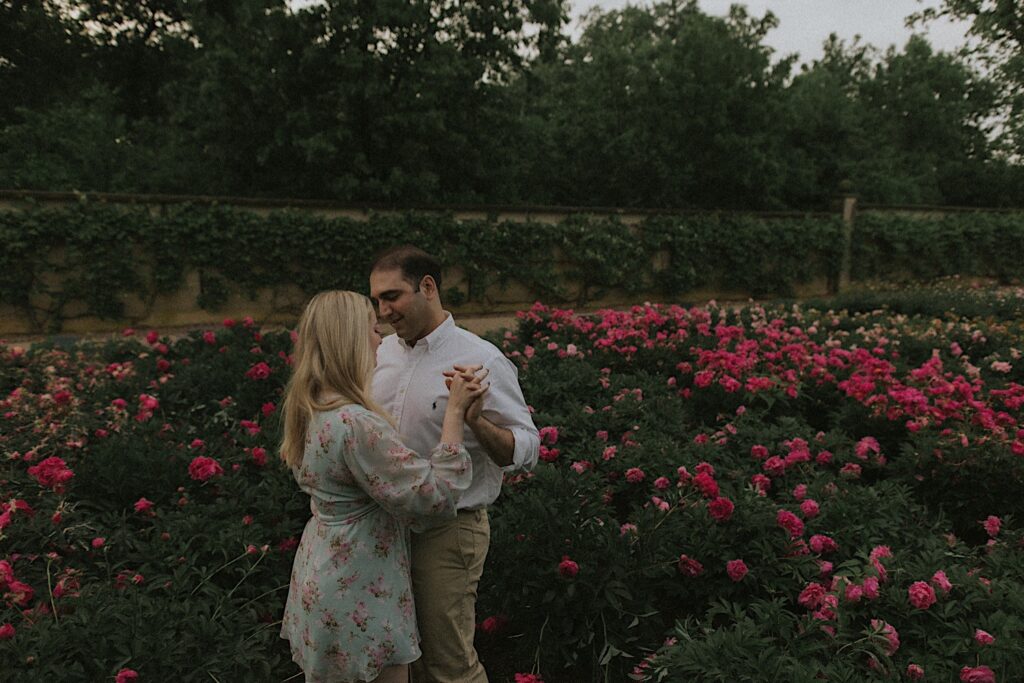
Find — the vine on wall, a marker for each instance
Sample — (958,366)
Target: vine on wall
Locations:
(89,257)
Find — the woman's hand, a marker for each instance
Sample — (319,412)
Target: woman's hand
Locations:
(464,389)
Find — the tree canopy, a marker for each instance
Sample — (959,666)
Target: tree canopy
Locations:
(493,101)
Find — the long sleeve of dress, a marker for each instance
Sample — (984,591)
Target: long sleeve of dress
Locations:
(400,481)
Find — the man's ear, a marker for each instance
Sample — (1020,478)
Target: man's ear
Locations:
(428,287)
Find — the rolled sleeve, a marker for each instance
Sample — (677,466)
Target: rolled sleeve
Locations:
(526,451)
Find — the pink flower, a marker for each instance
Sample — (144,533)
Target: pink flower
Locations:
(202,468)
(268,409)
(890,634)
(662,483)
(809,508)
(689,566)
(568,568)
(921,595)
(983,637)
(706,484)
(774,466)
(800,491)
(493,624)
(940,580)
(761,484)
(758,452)
(634,475)
(977,674)
(867,445)
(259,455)
(850,470)
(126,676)
(143,505)
(790,522)
(548,454)
(721,509)
(52,473)
(98,542)
(609,452)
(736,569)
(823,544)
(528,678)
(992,525)
(812,595)
(259,371)
(870,587)
(915,672)
(549,435)
(853,592)
(152,337)
(6,631)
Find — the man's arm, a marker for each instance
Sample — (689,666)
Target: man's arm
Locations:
(499,442)
(507,433)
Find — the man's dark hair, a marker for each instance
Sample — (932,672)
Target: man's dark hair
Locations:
(412,262)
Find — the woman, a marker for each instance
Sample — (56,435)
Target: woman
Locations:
(350,614)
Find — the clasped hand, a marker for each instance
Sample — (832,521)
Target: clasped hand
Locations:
(466,388)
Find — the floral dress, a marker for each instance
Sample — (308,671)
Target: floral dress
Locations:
(350,610)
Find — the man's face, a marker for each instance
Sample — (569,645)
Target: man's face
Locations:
(399,304)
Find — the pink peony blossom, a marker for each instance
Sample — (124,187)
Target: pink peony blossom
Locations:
(921,595)
(809,508)
(492,625)
(528,678)
(790,522)
(689,566)
(706,484)
(940,580)
(992,525)
(6,631)
(915,672)
(721,509)
(634,475)
(977,674)
(52,473)
(126,676)
(202,468)
(568,568)
(736,569)
(258,371)
(890,634)
(812,595)
(870,588)
(983,637)
(823,544)
(143,505)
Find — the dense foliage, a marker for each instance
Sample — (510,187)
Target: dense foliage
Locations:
(489,102)
(90,258)
(723,494)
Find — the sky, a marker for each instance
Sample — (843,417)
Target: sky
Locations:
(805,24)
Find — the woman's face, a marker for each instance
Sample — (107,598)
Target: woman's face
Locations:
(375,337)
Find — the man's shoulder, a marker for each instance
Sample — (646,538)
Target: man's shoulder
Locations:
(483,349)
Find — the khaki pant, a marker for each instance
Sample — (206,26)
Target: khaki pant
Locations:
(447,562)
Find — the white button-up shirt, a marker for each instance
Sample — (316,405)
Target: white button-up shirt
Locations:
(409,384)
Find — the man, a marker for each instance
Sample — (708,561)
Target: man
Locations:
(447,560)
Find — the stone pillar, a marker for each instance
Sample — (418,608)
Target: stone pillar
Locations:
(846,262)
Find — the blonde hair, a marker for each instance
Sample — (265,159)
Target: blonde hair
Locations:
(332,355)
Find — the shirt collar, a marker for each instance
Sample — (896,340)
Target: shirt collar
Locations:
(436,338)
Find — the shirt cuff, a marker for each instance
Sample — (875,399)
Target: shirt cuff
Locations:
(526,450)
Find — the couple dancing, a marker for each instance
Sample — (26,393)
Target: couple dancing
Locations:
(409,433)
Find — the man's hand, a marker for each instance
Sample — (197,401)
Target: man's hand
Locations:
(468,373)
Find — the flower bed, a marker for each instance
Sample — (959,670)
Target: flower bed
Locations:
(723,495)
